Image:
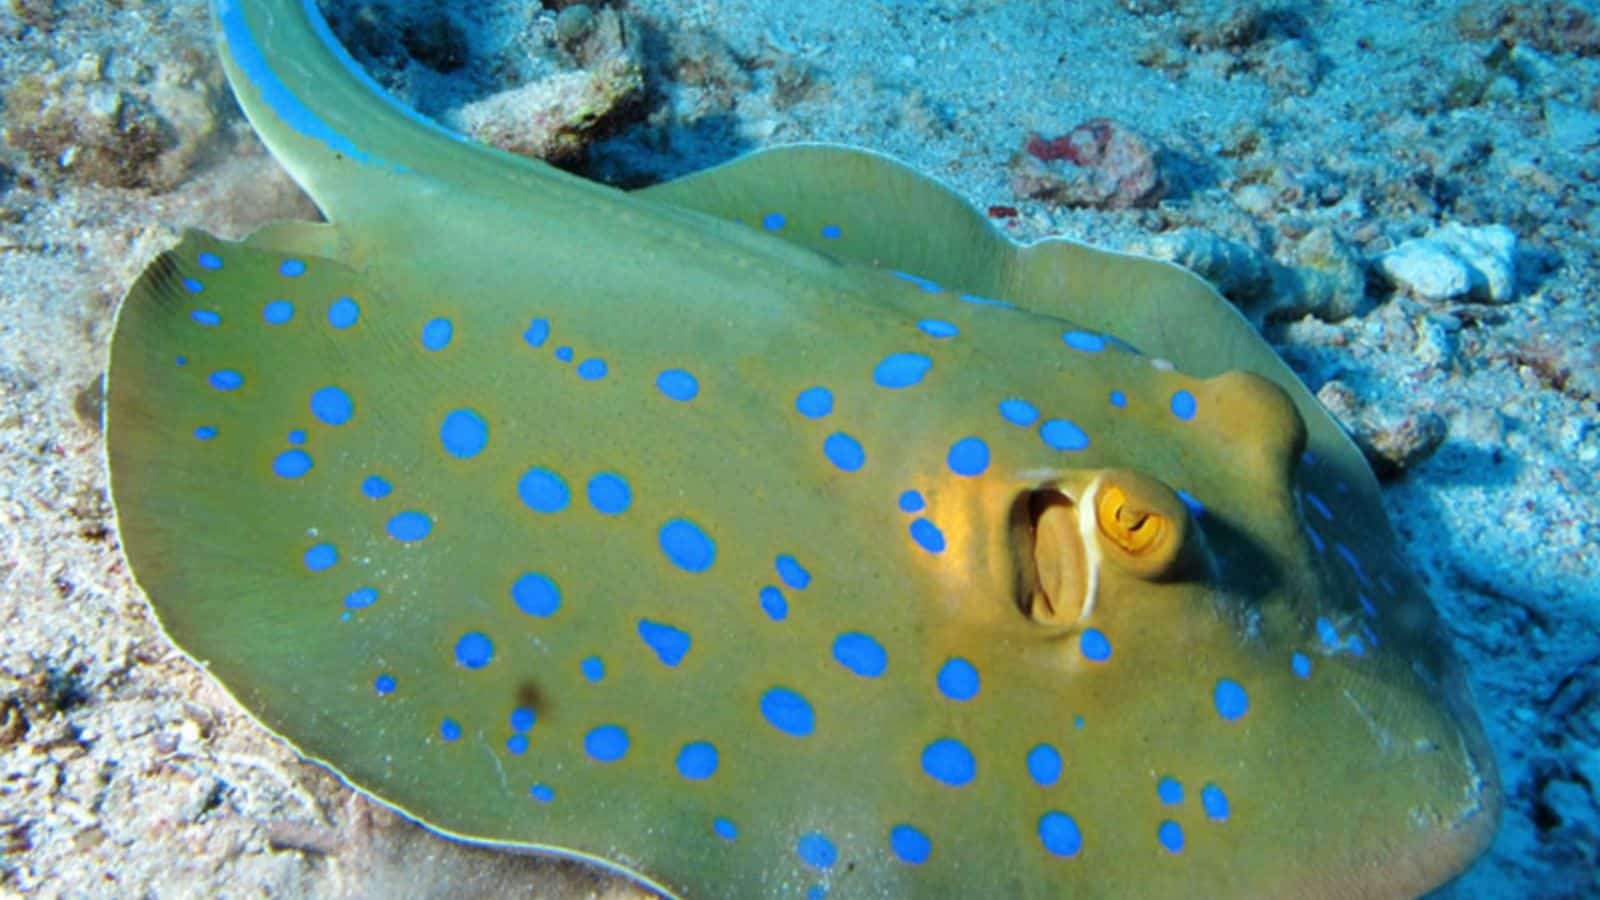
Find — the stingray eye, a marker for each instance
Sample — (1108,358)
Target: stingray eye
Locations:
(1055,565)
(1142,523)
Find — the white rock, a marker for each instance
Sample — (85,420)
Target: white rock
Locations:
(1456,261)
(1426,269)
(1490,252)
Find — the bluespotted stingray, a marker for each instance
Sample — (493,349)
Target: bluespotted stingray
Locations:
(777,531)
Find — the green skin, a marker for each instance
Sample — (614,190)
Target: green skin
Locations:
(1370,778)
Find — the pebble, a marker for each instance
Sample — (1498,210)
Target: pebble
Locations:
(1100,164)
(1456,262)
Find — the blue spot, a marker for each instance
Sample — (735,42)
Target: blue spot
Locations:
(687,546)
(670,644)
(436,334)
(227,380)
(1300,665)
(910,844)
(410,526)
(538,332)
(297,436)
(193,286)
(592,369)
(321,557)
(1230,699)
(1044,765)
(474,650)
(927,535)
(464,433)
(277,312)
(976,300)
(376,487)
(816,851)
(1077,722)
(861,654)
(1183,406)
(1196,508)
(958,679)
(1061,434)
(564,354)
(609,494)
(543,490)
(1018,411)
(522,718)
(817,892)
(607,743)
(1094,645)
(772,602)
(678,384)
(831,232)
(1170,790)
(1119,399)
(181,361)
(697,761)
(291,268)
(361,598)
(1316,539)
(844,452)
(450,729)
(543,793)
(923,283)
(332,405)
(209,261)
(1059,834)
(901,370)
(725,829)
(968,457)
(773,221)
(1327,634)
(384,684)
(292,464)
(1170,834)
(1349,557)
(343,313)
(938,328)
(787,711)
(792,573)
(1083,340)
(1214,802)
(911,501)
(206,317)
(594,668)
(517,744)
(948,761)
(1366,606)
(205,432)
(1321,508)
(536,594)
(814,402)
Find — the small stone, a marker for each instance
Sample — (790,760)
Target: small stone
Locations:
(89,68)
(1456,261)
(1426,269)
(1257,199)
(1391,441)
(1100,164)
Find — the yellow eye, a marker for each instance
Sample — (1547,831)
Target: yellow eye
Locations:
(1142,522)
(1133,529)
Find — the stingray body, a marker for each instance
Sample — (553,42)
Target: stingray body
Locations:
(779,531)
